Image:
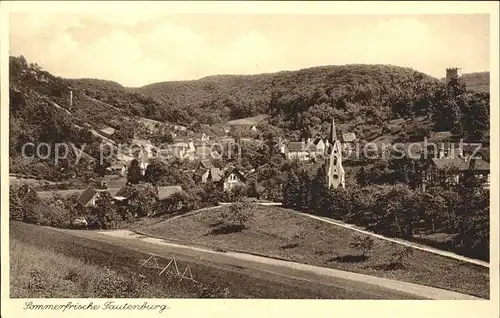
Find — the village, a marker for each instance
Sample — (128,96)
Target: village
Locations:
(224,174)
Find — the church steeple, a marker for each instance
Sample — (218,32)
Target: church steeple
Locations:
(335,174)
(333,132)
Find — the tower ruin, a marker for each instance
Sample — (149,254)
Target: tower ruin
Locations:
(453,73)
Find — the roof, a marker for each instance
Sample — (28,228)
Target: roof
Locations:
(200,172)
(180,144)
(232,169)
(461,164)
(124,192)
(86,195)
(112,191)
(203,151)
(62,193)
(333,131)
(215,174)
(168,191)
(108,130)
(207,164)
(317,140)
(296,146)
(115,183)
(349,137)
(440,135)
(116,165)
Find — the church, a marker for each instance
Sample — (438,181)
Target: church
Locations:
(335,173)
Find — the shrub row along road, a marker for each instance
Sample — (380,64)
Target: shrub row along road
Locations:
(246,275)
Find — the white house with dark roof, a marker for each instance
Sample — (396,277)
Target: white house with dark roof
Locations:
(297,150)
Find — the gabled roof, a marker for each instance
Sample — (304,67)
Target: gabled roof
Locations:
(115,183)
(203,151)
(168,191)
(108,130)
(116,165)
(124,192)
(232,169)
(317,140)
(479,165)
(200,172)
(215,174)
(112,191)
(348,137)
(296,146)
(461,164)
(62,193)
(440,135)
(207,164)
(86,196)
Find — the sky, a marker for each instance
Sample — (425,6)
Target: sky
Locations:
(138,48)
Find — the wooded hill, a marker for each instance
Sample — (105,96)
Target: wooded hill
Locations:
(362,99)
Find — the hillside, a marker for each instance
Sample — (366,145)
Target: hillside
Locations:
(228,97)
(362,98)
(479,81)
(41,111)
(284,234)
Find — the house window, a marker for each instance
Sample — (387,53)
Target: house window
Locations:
(335,161)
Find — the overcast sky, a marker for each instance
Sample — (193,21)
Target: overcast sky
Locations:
(135,48)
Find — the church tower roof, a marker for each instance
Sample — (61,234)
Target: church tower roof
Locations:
(333,131)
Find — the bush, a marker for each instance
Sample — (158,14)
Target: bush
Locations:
(362,243)
(237,218)
(400,254)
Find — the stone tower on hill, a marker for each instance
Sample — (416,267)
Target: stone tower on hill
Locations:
(335,174)
(453,73)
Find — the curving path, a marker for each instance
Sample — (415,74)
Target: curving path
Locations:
(324,277)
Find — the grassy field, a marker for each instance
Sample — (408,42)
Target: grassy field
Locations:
(69,263)
(46,263)
(280,233)
(42,273)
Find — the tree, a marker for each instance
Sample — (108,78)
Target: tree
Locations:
(143,200)
(292,196)
(155,171)
(106,211)
(432,206)
(361,243)
(400,254)
(134,173)
(318,192)
(240,212)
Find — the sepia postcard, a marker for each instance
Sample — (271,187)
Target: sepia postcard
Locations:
(249,158)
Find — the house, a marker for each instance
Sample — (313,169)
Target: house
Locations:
(204,137)
(108,182)
(202,152)
(348,137)
(207,164)
(231,178)
(108,131)
(184,149)
(122,196)
(117,168)
(451,170)
(87,197)
(203,175)
(296,150)
(90,195)
(319,145)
